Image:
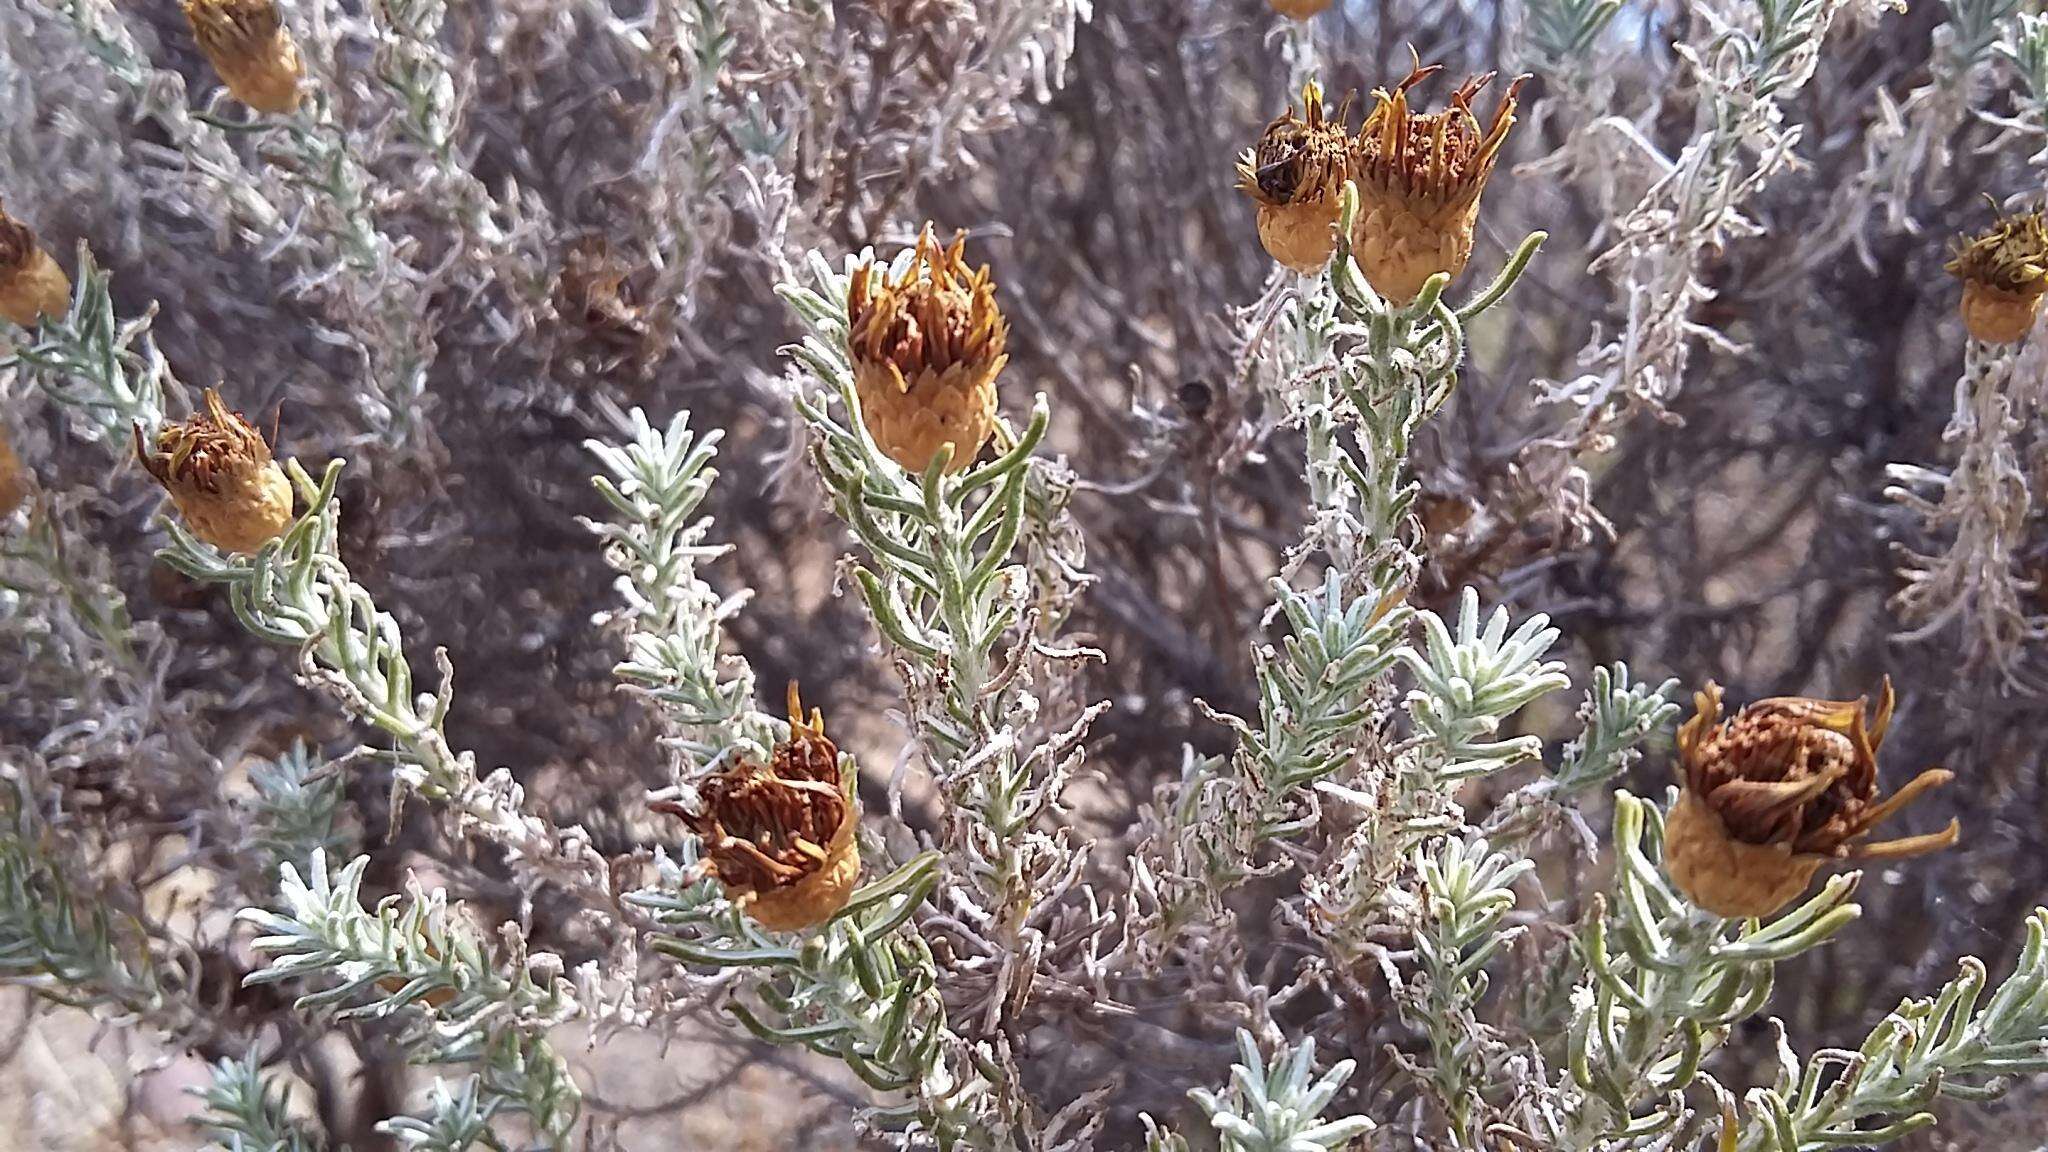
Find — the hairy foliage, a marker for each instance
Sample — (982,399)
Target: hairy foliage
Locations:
(1257,692)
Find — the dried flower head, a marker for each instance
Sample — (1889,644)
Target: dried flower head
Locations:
(1294,173)
(248,44)
(1777,790)
(14,479)
(1419,178)
(779,837)
(1300,9)
(2004,274)
(31,284)
(927,344)
(596,296)
(220,474)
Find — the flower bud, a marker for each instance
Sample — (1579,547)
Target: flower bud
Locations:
(1779,789)
(2004,274)
(220,474)
(780,837)
(31,284)
(249,46)
(1419,179)
(1295,174)
(927,343)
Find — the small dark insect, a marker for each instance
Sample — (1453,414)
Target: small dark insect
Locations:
(1280,178)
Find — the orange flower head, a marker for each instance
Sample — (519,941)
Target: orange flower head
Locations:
(1777,790)
(32,286)
(927,343)
(1294,175)
(14,479)
(220,474)
(1419,178)
(1300,9)
(249,46)
(780,837)
(2005,275)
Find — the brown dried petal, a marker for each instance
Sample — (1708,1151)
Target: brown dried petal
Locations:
(1437,159)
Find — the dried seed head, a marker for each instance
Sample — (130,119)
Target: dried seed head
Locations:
(1294,174)
(14,479)
(1777,790)
(1419,177)
(1299,9)
(220,474)
(779,837)
(249,46)
(592,292)
(2004,274)
(927,345)
(31,284)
